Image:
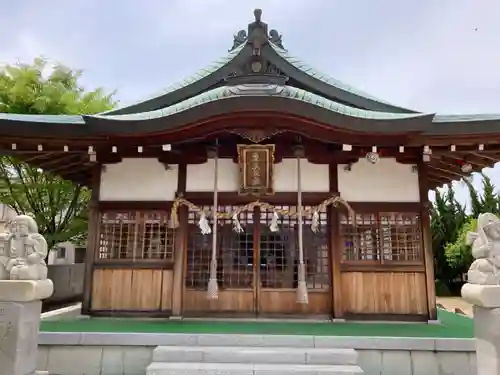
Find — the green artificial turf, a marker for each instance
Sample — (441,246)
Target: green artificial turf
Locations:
(452,326)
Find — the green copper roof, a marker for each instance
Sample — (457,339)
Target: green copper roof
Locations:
(227,92)
(256,46)
(60,119)
(314,73)
(202,73)
(293,93)
(466,118)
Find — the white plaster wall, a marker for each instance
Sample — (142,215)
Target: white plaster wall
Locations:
(386,181)
(138,179)
(200,177)
(314,177)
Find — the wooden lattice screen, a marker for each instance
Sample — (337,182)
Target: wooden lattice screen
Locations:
(135,236)
(278,253)
(384,236)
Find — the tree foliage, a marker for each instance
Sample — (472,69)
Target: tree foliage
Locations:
(450,223)
(447,218)
(59,206)
(458,253)
(44,89)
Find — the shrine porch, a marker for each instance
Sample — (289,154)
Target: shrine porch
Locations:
(450,325)
(126,346)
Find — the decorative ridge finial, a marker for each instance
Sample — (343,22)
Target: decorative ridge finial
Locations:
(257,14)
(257,34)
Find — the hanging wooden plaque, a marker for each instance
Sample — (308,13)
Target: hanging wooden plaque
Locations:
(256,164)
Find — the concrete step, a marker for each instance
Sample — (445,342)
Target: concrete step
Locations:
(187,368)
(249,355)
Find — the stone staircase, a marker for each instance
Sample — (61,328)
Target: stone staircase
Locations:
(241,358)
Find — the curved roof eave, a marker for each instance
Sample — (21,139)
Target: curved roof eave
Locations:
(200,81)
(328,86)
(439,118)
(313,105)
(44,119)
(289,92)
(224,100)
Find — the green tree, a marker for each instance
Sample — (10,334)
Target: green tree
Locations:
(58,206)
(457,252)
(447,218)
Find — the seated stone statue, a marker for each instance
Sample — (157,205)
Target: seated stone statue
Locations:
(26,249)
(485,244)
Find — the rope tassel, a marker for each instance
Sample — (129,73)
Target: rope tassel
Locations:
(174,219)
(213,287)
(302,296)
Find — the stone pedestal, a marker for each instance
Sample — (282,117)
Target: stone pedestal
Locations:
(486,301)
(20,309)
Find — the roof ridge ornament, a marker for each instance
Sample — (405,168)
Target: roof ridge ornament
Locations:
(257,34)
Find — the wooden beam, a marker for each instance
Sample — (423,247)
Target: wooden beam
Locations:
(453,175)
(62,158)
(92,239)
(335,247)
(423,185)
(493,159)
(438,177)
(181,237)
(454,158)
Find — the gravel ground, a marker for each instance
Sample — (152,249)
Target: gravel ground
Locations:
(451,303)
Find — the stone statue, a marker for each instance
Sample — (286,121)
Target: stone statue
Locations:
(485,270)
(25,250)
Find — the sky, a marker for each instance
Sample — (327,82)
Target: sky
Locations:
(430,55)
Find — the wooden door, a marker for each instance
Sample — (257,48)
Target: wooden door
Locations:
(257,269)
(235,268)
(277,260)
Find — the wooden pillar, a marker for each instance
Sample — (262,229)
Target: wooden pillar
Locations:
(92,238)
(335,246)
(180,245)
(427,239)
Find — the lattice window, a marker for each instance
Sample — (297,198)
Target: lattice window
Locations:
(386,236)
(237,259)
(279,252)
(199,252)
(135,236)
(237,252)
(234,252)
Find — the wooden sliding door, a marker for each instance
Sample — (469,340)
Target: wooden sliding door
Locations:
(257,269)
(235,268)
(278,255)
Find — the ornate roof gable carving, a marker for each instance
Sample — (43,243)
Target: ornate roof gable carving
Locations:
(257,35)
(256,65)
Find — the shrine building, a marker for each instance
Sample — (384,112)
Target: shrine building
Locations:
(258,187)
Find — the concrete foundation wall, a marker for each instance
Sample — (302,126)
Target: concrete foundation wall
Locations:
(126,353)
(67,279)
